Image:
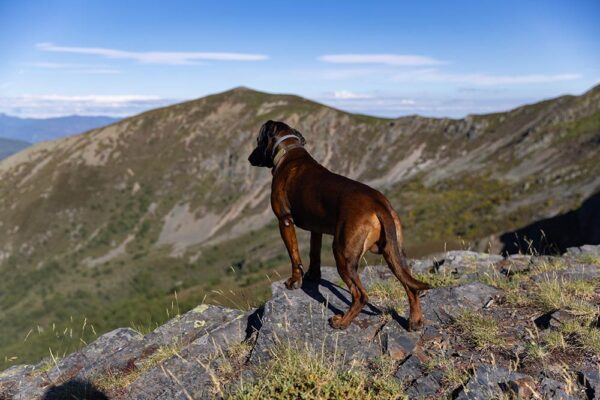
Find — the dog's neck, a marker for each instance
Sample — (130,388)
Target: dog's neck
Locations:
(282,150)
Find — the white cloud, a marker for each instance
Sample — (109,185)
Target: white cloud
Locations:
(73,68)
(385,59)
(154,57)
(348,95)
(44,106)
(434,75)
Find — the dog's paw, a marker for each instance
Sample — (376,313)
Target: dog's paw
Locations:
(415,325)
(336,322)
(313,275)
(292,283)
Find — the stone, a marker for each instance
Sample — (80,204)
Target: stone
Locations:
(396,342)
(192,372)
(300,319)
(425,386)
(590,379)
(68,368)
(409,370)
(585,249)
(554,390)
(179,331)
(573,272)
(493,382)
(441,305)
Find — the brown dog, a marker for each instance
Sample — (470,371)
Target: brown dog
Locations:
(306,194)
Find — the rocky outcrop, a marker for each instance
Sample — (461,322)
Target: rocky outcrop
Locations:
(209,351)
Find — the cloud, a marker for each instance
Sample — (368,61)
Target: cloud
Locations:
(348,95)
(434,75)
(74,68)
(44,106)
(393,105)
(154,57)
(384,59)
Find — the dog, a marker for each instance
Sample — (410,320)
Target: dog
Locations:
(307,195)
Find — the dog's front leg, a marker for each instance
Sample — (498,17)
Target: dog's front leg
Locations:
(288,234)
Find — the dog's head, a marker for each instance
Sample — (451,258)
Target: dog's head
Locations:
(270,132)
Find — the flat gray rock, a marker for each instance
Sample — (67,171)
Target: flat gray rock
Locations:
(491,382)
(299,318)
(441,305)
(189,374)
(180,330)
(68,367)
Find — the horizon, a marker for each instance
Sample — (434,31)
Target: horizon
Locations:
(180,101)
(385,60)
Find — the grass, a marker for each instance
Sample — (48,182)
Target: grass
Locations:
(112,381)
(389,294)
(589,259)
(479,330)
(294,374)
(553,294)
(585,337)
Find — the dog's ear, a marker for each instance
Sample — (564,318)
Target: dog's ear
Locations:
(297,133)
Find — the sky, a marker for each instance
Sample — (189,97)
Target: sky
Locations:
(385,58)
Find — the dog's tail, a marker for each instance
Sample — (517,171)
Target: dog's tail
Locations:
(394,255)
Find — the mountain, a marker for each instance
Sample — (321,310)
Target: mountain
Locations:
(40,129)
(286,349)
(11,146)
(104,226)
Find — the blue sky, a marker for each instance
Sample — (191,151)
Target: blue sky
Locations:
(438,58)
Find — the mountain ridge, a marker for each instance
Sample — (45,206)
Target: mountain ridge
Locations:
(166,200)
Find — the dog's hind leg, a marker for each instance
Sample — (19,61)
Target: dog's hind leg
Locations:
(314,269)
(347,258)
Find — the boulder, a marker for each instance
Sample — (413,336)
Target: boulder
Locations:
(490,382)
(442,305)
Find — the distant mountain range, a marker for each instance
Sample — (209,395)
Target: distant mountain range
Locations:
(35,130)
(11,146)
(108,223)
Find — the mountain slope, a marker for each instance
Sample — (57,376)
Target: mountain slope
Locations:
(40,129)
(106,224)
(11,146)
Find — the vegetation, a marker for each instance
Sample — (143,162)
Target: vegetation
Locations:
(295,373)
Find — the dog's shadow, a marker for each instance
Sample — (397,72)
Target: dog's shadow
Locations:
(311,288)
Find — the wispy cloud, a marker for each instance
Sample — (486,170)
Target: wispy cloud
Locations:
(43,106)
(384,59)
(348,95)
(435,75)
(73,68)
(154,57)
(394,105)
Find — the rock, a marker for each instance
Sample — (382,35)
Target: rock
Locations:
(585,249)
(409,370)
(590,379)
(571,273)
(425,386)
(68,368)
(494,382)
(559,318)
(441,305)
(12,378)
(396,342)
(192,373)
(462,262)
(514,264)
(180,330)
(554,390)
(299,318)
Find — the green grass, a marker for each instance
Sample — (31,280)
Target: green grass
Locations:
(302,374)
(480,331)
